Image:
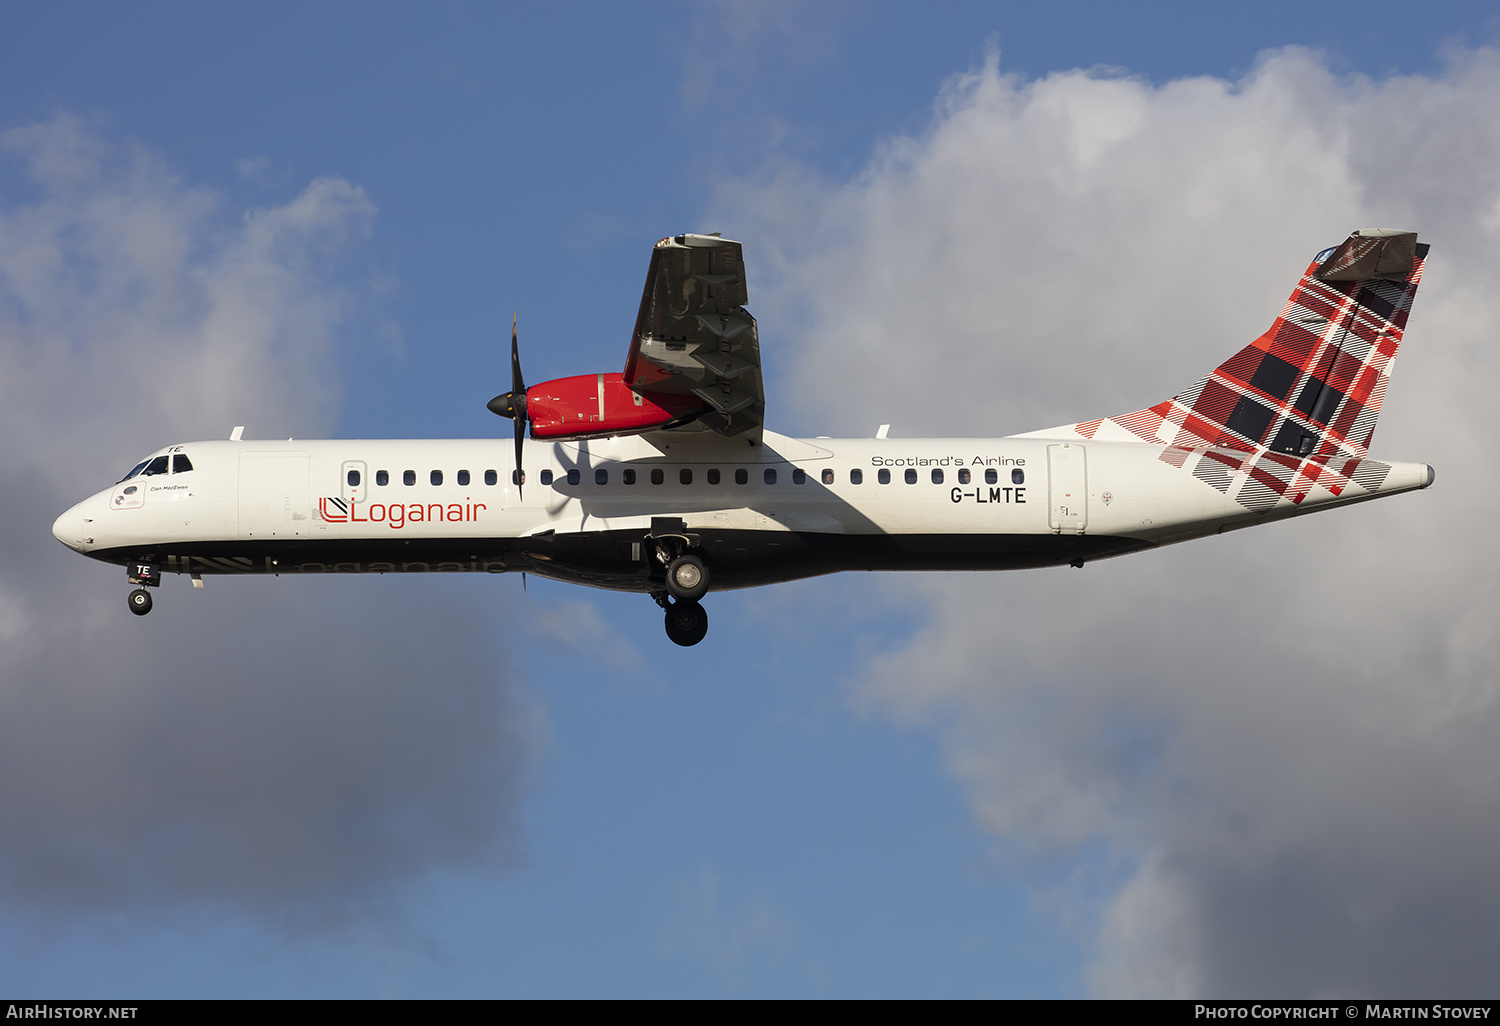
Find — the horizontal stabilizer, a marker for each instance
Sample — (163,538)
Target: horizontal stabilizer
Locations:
(1386,253)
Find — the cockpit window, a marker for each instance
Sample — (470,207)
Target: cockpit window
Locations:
(181,464)
(156,466)
(134,470)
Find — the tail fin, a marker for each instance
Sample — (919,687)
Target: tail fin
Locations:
(1310,387)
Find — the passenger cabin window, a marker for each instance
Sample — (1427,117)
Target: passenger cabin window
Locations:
(490,477)
(856,476)
(408,477)
(574,476)
(685,476)
(884,476)
(546,477)
(436,477)
(799,476)
(181,464)
(156,466)
(742,476)
(518,477)
(937,476)
(963,476)
(991,476)
(657,477)
(353,479)
(713,476)
(628,476)
(463,478)
(827,475)
(1018,476)
(911,476)
(601,476)
(382,478)
(770,475)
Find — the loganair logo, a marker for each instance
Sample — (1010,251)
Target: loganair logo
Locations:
(395,515)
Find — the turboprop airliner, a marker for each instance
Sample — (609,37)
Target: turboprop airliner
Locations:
(662,479)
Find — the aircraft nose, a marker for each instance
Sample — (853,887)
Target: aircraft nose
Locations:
(74,528)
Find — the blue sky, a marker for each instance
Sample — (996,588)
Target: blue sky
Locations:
(817,800)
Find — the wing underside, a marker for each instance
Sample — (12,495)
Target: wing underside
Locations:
(693,336)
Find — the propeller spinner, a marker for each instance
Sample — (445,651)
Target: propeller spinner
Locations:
(513,403)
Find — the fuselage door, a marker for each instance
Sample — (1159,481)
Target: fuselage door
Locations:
(1067,488)
(354,482)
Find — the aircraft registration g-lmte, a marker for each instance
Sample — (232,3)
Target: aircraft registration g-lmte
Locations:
(662,479)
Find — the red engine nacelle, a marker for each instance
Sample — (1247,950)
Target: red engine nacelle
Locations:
(594,405)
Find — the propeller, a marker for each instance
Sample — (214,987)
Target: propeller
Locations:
(513,403)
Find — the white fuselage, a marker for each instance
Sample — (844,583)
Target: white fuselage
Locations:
(787,508)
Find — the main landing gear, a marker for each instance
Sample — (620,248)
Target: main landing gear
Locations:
(686,580)
(687,621)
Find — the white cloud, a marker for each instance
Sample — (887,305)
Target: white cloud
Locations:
(257,169)
(289,751)
(1287,732)
(122,290)
(576,623)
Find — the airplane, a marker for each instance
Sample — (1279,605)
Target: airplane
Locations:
(663,479)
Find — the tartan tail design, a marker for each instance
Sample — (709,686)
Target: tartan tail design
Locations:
(1312,385)
(1301,401)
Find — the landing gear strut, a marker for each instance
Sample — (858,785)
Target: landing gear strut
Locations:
(686,579)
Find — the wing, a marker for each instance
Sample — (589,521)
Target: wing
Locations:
(693,336)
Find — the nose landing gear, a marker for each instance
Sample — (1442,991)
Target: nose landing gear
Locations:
(143,575)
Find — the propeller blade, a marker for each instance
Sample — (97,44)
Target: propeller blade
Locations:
(517,403)
(513,403)
(517,383)
(520,443)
